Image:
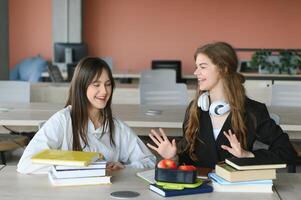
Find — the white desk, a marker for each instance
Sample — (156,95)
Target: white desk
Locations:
(134,115)
(288,186)
(16,186)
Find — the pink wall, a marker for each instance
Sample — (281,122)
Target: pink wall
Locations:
(134,32)
(30,29)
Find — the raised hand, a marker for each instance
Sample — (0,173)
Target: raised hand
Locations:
(165,148)
(235,148)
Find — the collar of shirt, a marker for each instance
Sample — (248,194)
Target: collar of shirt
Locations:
(97,132)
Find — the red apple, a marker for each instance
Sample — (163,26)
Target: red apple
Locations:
(167,164)
(187,167)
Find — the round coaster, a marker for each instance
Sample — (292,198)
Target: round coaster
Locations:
(4,109)
(124,194)
(153,112)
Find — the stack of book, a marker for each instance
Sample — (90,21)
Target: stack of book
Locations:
(73,167)
(245,175)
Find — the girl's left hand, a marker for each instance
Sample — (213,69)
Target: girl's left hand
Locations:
(113,166)
(235,148)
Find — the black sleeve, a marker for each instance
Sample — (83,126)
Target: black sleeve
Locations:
(268,132)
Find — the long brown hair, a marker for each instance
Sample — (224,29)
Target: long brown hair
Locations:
(85,72)
(224,57)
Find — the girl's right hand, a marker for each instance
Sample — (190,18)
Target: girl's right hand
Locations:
(165,148)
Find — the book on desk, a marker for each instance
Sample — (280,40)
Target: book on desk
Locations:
(254,163)
(203,188)
(94,180)
(64,157)
(97,168)
(221,185)
(231,174)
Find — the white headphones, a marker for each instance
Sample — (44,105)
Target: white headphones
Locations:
(217,108)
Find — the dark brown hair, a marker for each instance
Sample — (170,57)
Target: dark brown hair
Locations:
(85,72)
(224,57)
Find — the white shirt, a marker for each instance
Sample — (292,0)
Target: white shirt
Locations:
(56,133)
(216,132)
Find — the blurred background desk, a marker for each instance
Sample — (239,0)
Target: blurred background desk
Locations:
(136,116)
(140,118)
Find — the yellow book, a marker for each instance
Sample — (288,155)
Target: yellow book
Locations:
(63,157)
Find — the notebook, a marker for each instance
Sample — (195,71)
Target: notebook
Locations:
(233,175)
(260,186)
(60,171)
(148,175)
(63,157)
(204,188)
(78,181)
(253,163)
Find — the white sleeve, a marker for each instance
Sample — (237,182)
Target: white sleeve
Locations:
(134,153)
(50,136)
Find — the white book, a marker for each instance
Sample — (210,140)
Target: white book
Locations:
(261,188)
(77,173)
(148,175)
(78,181)
(221,185)
(99,164)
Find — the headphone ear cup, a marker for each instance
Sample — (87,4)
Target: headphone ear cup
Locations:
(203,101)
(218,108)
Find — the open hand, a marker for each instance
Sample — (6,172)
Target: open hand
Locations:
(165,148)
(235,148)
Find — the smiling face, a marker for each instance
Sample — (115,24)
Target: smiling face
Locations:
(207,73)
(99,92)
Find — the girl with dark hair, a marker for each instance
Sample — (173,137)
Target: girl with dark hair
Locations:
(222,121)
(86,124)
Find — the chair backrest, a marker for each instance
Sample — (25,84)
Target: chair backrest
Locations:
(55,73)
(15,91)
(160,94)
(70,70)
(169,64)
(286,95)
(166,76)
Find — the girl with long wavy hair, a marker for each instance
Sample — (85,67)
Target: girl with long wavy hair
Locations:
(87,124)
(222,121)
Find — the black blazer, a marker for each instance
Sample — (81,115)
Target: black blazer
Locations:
(259,127)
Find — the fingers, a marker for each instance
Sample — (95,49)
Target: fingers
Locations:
(158,137)
(154,139)
(163,134)
(152,147)
(173,143)
(231,136)
(229,149)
